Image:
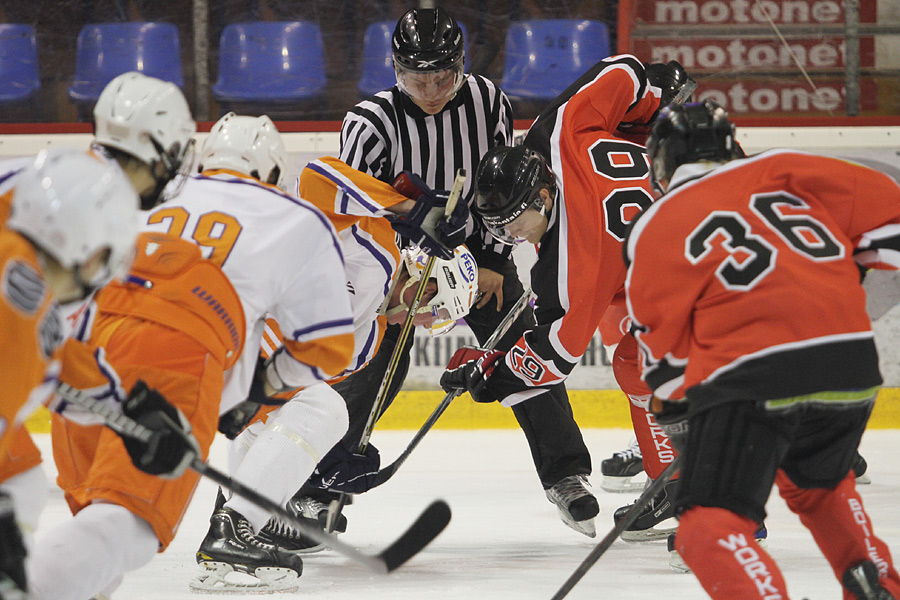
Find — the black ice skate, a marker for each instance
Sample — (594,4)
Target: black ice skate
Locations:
(231,559)
(576,506)
(859,470)
(311,512)
(620,470)
(862,582)
(677,564)
(656,522)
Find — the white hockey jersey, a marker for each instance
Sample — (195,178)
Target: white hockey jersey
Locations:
(283,258)
(355,204)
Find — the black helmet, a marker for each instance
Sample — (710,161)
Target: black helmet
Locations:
(672,79)
(507,183)
(427,39)
(689,133)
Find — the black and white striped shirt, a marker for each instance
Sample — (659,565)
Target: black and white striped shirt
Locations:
(387,134)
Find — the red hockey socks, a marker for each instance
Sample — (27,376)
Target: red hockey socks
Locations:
(719,547)
(842,529)
(656,450)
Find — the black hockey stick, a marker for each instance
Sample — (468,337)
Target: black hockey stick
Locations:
(514,312)
(425,528)
(630,517)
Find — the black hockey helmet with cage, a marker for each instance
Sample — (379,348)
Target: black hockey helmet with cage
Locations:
(508,182)
(427,39)
(689,133)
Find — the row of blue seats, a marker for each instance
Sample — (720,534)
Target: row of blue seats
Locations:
(280,61)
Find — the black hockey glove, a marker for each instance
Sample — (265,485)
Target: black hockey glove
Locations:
(344,471)
(672,418)
(469,369)
(171,446)
(425,225)
(12,553)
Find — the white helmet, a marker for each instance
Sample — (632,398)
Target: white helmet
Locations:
(249,145)
(457,286)
(71,205)
(146,118)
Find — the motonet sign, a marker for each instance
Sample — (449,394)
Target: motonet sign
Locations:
(732,49)
(742,12)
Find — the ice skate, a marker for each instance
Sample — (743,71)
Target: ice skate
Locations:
(862,582)
(620,470)
(231,559)
(577,507)
(656,521)
(311,512)
(859,470)
(677,564)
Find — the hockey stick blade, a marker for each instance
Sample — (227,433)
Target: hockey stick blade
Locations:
(630,517)
(427,527)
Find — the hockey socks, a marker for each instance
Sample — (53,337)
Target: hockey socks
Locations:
(85,555)
(656,449)
(282,457)
(719,547)
(842,529)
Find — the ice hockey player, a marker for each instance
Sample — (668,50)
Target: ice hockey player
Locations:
(752,391)
(278,455)
(521,198)
(71,227)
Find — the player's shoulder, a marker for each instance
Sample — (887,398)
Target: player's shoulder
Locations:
(21,278)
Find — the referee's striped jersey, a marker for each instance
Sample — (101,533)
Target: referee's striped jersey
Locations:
(387,134)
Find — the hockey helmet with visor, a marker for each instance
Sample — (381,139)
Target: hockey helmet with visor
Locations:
(507,183)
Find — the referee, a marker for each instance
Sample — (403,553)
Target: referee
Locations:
(436,120)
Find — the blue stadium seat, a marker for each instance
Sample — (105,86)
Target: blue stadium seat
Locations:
(270,61)
(19,74)
(106,50)
(377,67)
(544,57)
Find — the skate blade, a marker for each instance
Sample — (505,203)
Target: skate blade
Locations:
(863,479)
(621,485)
(676,563)
(652,534)
(221,578)
(585,527)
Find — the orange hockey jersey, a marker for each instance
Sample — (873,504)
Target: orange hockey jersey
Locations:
(742,282)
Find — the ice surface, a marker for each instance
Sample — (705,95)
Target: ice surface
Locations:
(505,540)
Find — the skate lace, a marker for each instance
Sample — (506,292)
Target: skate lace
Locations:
(569,489)
(245,532)
(632,451)
(304,507)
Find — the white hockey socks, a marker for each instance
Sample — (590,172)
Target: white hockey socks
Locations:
(29,493)
(83,556)
(283,456)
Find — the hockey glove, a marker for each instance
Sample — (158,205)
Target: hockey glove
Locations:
(469,369)
(672,418)
(12,553)
(171,447)
(344,471)
(426,225)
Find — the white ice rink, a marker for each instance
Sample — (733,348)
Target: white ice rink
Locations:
(505,540)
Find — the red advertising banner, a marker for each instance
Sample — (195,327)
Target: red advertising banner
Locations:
(746,12)
(782,97)
(699,55)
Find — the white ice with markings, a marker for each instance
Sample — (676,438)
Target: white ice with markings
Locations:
(505,541)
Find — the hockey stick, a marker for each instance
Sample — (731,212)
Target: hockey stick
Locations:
(336,506)
(630,517)
(388,472)
(425,528)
